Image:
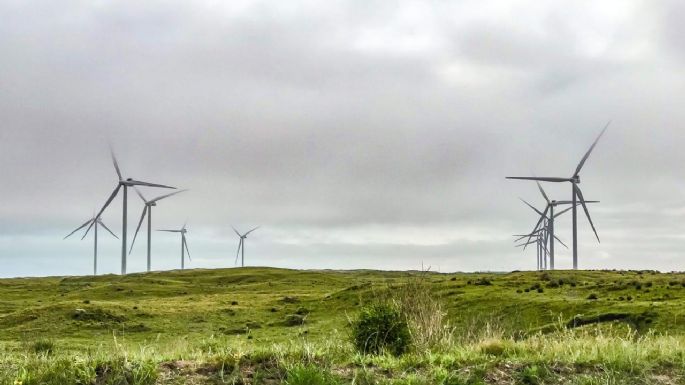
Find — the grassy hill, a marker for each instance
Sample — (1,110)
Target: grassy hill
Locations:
(195,325)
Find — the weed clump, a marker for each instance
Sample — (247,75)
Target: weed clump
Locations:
(493,347)
(592,296)
(43,346)
(381,328)
(309,375)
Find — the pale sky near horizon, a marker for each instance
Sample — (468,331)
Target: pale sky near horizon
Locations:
(358,134)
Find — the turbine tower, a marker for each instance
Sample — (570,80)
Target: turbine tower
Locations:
(125,183)
(241,245)
(184,244)
(95,221)
(147,210)
(576,194)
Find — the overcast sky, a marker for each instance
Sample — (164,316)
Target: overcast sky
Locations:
(358,134)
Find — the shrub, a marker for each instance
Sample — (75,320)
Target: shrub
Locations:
(294,320)
(592,296)
(379,329)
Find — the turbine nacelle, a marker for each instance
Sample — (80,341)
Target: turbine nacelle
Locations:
(575,179)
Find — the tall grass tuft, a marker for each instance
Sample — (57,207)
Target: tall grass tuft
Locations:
(425,314)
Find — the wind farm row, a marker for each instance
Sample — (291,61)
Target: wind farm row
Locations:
(122,186)
(543,235)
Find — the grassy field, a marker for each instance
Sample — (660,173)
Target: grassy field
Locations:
(271,326)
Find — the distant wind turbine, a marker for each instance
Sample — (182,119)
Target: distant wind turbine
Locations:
(147,210)
(95,222)
(184,244)
(241,245)
(576,193)
(125,184)
(551,205)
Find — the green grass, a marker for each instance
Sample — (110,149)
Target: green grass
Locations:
(271,326)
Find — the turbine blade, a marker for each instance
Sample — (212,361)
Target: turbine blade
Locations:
(560,241)
(140,222)
(133,182)
(139,194)
(87,230)
(587,154)
(237,253)
(159,198)
(170,231)
(587,212)
(116,164)
(571,202)
(543,216)
(107,228)
(531,206)
(185,243)
(79,228)
(252,230)
(236,231)
(109,200)
(541,179)
(562,212)
(542,191)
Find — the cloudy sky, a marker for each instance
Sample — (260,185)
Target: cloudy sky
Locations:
(358,134)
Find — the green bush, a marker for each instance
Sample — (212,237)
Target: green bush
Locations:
(380,329)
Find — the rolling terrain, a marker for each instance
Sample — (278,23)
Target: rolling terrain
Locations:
(193,326)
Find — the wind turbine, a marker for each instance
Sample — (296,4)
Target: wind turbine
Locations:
(576,194)
(541,242)
(95,221)
(125,184)
(241,245)
(549,219)
(184,244)
(551,205)
(147,210)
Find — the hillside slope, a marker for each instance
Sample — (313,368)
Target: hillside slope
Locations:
(274,305)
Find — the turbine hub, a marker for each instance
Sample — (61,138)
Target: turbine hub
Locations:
(576,179)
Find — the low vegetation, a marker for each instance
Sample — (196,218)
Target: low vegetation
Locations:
(272,326)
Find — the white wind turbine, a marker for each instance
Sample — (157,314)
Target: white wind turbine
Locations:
(184,244)
(95,222)
(241,245)
(125,183)
(147,210)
